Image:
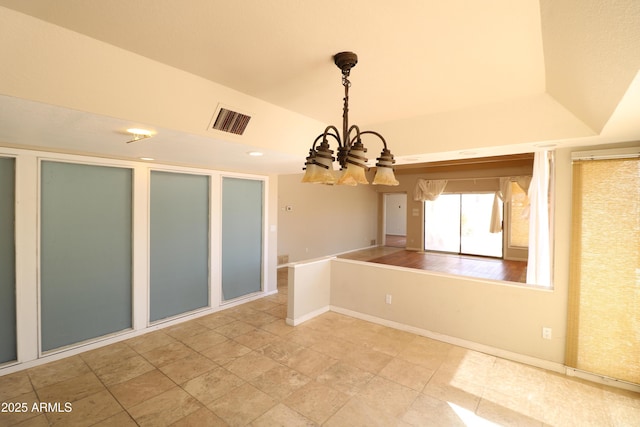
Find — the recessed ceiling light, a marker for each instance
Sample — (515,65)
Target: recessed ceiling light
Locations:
(147,158)
(255,153)
(142,132)
(139,134)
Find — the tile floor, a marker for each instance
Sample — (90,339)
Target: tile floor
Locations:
(245,366)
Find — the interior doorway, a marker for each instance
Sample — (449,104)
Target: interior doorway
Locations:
(395,220)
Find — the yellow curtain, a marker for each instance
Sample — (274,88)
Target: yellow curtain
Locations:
(603,335)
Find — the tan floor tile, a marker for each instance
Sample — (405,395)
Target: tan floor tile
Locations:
(242,405)
(262,304)
(307,337)
(391,344)
(388,396)
(201,417)
(310,362)
(279,298)
(623,405)
(358,413)
(281,350)
(141,388)
(14,385)
(87,411)
(460,379)
(426,352)
(585,399)
(282,415)
(336,348)
(204,340)
(226,352)
(169,353)
(190,367)
(212,385)
(123,370)
(278,327)
(19,409)
(185,330)
(466,396)
(316,401)
(357,333)
(500,415)
(37,421)
(251,365)
(369,360)
(107,355)
(256,339)
(279,311)
(121,419)
(215,320)
(280,382)
(164,409)
(406,373)
(429,411)
(239,311)
(329,322)
(346,378)
(468,366)
(54,372)
(149,341)
(72,389)
(234,329)
(256,318)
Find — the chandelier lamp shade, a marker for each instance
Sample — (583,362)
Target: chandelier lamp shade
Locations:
(351,151)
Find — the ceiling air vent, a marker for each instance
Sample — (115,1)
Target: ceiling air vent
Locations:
(226,120)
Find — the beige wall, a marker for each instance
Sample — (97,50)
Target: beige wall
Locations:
(319,220)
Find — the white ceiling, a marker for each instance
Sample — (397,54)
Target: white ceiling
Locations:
(436,78)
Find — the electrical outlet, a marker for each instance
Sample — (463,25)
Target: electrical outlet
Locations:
(546,333)
(388,299)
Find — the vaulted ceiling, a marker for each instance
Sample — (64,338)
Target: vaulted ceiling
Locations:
(440,80)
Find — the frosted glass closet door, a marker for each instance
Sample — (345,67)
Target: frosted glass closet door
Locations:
(7,261)
(242,221)
(85,252)
(179,243)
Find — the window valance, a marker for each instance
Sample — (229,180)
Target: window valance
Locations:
(428,189)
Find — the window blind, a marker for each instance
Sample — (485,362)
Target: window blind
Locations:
(604,291)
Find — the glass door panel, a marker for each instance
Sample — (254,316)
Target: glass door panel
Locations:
(242,219)
(442,224)
(7,261)
(475,238)
(85,252)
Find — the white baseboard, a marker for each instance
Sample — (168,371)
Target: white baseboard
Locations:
(299,320)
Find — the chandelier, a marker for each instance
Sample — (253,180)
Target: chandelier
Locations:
(319,164)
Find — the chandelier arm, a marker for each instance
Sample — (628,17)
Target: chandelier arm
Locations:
(384,142)
(326,132)
(356,137)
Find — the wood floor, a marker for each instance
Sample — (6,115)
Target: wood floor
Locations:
(464,265)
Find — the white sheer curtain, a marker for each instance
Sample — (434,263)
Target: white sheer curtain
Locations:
(539,263)
(428,189)
(504,194)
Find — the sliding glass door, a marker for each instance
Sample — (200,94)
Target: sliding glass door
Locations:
(7,261)
(459,223)
(179,243)
(85,252)
(242,230)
